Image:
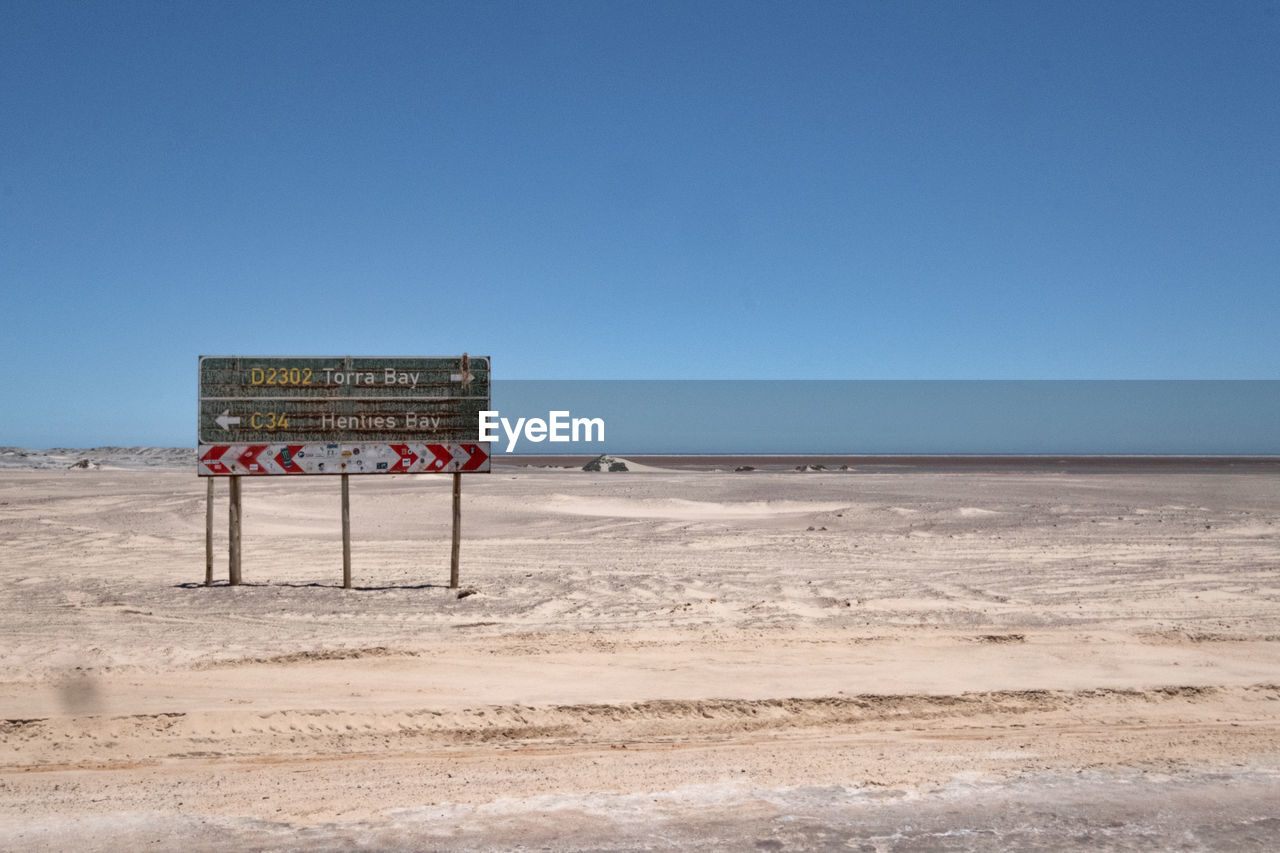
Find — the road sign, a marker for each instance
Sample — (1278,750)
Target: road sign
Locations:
(341,415)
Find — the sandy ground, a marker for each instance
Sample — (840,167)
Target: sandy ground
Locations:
(913,659)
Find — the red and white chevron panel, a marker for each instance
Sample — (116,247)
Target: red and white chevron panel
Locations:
(255,459)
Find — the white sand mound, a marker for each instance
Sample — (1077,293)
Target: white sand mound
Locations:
(975,512)
(681,509)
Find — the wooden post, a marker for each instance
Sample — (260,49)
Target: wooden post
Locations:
(346,534)
(464,376)
(208,535)
(457,530)
(233,538)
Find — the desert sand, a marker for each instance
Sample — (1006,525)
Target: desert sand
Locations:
(1021,656)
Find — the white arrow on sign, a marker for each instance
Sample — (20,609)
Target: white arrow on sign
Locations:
(225,420)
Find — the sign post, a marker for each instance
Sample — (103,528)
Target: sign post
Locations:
(233,533)
(457,531)
(346,534)
(208,535)
(269,415)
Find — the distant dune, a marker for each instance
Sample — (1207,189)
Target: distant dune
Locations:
(98,457)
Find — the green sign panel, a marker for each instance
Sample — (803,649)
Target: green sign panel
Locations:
(342,399)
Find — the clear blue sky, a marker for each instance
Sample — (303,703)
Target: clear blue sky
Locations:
(857,190)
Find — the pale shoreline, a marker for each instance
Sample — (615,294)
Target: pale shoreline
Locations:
(184,458)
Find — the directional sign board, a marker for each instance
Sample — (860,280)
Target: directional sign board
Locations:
(342,415)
